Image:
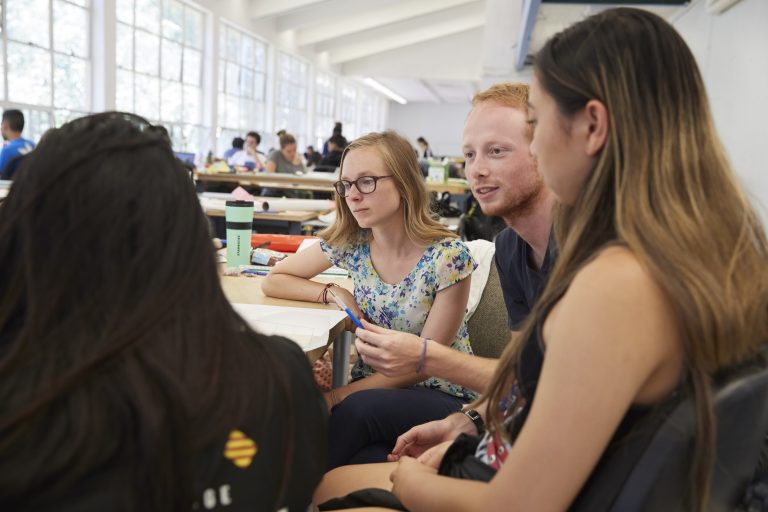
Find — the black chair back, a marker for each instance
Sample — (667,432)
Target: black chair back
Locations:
(659,478)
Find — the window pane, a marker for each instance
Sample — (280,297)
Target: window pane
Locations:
(171,61)
(222,107)
(37,122)
(63,115)
(170,101)
(261,57)
(223,40)
(148,48)
(29,83)
(173,20)
(148,97)
(124,91)
(259,87)
(191,112)
(124,46)
(27,21)
(148,15)
(232,116)
(193,28)
(70,32)
(247,56)
(2,69)
(125,11)
(233,75)
(192,66)
(233,45)
(246,83)
(81,3)
(70,88)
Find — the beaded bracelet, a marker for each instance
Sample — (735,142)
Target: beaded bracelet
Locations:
(323,297)
(423,357)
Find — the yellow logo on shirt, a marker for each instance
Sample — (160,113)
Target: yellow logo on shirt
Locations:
(240,449)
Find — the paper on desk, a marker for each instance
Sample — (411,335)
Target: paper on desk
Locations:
(309,328)
(331,272)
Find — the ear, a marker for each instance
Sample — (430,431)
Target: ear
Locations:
(596,118)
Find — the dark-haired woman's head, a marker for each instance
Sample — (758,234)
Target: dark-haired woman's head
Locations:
(102,216)
(113,324)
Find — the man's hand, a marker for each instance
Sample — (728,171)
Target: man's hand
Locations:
(391,353)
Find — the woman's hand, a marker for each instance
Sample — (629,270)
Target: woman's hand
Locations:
(434,456)
(391,353)
(349,300)
(422,438)
(407,478)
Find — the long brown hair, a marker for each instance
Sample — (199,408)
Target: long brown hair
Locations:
(662,186)
(400,160)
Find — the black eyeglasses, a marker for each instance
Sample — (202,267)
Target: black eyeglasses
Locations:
(365,184)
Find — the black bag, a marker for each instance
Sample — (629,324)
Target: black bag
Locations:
(459,461)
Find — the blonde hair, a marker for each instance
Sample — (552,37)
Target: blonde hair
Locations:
(401,163)
(662,187)
(507,94)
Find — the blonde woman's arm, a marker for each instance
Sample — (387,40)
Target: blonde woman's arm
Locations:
(290,278)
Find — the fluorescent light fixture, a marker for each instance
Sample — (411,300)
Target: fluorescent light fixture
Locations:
(384,90)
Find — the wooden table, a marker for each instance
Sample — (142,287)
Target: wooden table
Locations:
(247,290)
(294,220)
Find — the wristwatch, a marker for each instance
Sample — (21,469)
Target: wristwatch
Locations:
(477,420)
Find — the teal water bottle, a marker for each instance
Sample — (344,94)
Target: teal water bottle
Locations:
(239,216)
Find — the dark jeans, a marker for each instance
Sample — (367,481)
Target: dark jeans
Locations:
(364,427)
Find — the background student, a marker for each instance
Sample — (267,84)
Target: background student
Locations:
(126,378)
(286,159)
(424,151)
(410,274)
(645,304)
(12,125)
(337,129)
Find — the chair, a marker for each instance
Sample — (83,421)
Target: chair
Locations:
(488,330)
(659,478)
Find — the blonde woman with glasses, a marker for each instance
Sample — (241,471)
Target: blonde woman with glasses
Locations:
(410,274)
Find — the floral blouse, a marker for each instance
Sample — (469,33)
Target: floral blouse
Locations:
(404,306)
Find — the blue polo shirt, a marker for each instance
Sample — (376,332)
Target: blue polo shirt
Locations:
(11,151)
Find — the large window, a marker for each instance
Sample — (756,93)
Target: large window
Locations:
(325,107)
(369,112)
(160,66)
(242,85)
(291,107)
(45,66)
(349,111)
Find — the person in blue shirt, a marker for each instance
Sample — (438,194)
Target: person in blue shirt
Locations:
(12,126)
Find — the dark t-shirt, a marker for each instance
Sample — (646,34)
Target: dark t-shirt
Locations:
(243,471)
(520,282)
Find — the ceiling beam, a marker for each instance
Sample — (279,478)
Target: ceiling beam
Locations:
(267,8)
(346,25)
(406,38)
(530,13)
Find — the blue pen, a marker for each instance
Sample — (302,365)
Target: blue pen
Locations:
(346,309)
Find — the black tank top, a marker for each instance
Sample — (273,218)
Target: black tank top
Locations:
(628,443)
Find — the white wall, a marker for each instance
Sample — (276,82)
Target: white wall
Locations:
(440,124)
(732,52)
